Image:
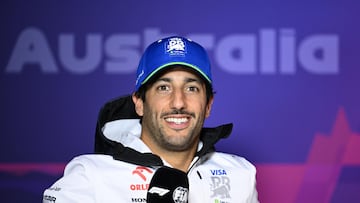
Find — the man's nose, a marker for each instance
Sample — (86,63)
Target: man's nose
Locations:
(178,99)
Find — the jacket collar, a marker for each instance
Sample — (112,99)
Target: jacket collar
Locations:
(122,108)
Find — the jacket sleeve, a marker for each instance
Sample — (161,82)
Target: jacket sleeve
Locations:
(75,186)
(253,198)
(253,195)
(252,192)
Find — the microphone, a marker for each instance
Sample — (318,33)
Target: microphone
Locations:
(168,185)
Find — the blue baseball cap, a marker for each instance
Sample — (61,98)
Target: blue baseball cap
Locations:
(170,51)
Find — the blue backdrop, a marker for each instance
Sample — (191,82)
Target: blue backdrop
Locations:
(286,74)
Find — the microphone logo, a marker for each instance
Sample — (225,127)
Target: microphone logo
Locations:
(158,190)
(180,195)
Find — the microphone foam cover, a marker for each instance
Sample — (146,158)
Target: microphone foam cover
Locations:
(168,185)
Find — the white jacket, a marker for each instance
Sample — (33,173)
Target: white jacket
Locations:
(107,177)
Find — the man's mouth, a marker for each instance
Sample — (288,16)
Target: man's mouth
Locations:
(177,121)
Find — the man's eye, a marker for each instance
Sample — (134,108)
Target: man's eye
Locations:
(163,88)
(193,89)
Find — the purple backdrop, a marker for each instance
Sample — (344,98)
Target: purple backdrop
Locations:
(286,74)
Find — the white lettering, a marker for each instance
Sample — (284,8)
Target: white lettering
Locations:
(267,50)
(92,56)
(267,53)
(31,48)
(287,51)
(319,54)
(123,52)
(236,54)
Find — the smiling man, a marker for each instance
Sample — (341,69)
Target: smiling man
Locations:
(151,146)
(173,115)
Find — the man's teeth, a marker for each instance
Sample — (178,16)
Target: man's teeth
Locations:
(177,120)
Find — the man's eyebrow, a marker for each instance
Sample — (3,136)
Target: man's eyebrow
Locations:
(193,80)
(163,79)
(187,80)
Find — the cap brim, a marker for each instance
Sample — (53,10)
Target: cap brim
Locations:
(176,63)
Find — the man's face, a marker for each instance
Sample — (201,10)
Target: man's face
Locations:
(174,110)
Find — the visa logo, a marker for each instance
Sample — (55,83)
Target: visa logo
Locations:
(218,172)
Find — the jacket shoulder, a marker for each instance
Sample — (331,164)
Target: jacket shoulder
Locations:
(231,161)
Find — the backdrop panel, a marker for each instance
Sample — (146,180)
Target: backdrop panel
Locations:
(286,74)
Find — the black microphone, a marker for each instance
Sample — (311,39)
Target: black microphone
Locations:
(168,185)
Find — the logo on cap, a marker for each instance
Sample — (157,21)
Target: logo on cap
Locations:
(175,46)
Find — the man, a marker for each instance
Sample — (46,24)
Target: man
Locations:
(159,125)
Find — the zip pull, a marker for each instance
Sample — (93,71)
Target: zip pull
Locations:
(198,174)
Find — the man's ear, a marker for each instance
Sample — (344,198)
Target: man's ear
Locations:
(139,105)
(208,106)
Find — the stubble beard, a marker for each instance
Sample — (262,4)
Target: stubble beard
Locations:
(172,141)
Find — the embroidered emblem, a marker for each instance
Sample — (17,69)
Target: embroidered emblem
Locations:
(176,46)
